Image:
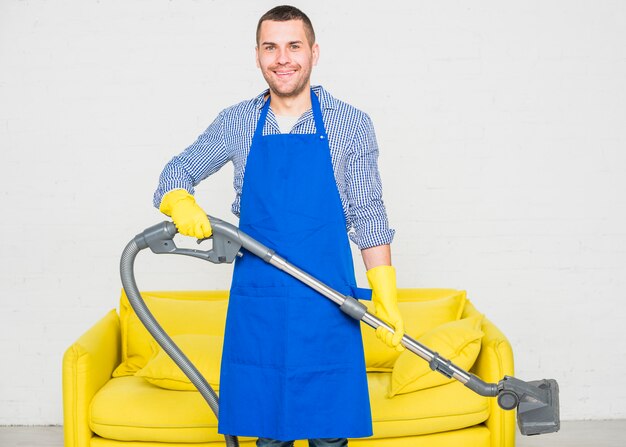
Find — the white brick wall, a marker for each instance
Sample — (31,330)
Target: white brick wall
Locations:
(502,134)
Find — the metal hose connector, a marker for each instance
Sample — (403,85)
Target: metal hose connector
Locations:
(145,316)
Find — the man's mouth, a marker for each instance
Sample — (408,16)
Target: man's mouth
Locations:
(284,73)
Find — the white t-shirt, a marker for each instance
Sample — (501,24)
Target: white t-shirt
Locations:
(286,123)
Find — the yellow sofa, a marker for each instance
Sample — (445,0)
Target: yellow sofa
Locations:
(107,403)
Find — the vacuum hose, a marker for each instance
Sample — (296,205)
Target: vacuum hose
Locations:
(145,316)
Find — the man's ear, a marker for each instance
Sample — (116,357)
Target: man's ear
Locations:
(315,50)
(256,56)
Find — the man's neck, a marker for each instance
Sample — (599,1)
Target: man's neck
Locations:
(291,105)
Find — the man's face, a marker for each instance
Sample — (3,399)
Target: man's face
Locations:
(285,56)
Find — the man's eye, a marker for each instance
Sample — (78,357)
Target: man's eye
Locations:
(269,48)
(295,47)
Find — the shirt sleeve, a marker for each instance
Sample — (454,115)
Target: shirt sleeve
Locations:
(203,158)
(366,210)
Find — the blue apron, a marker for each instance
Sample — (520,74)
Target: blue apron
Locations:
(293,365)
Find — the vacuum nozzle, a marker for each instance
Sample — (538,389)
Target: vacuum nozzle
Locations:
(537,404)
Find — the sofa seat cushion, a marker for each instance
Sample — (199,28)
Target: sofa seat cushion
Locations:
(438,409)
(131,409)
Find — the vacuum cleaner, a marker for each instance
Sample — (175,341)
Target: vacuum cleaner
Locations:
(537,402)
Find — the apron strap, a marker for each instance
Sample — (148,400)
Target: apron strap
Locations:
(258,133)
(317,115)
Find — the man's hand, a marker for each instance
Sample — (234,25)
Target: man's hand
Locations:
(382,280)
(189,218)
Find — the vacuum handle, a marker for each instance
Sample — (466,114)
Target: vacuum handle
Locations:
(227,242)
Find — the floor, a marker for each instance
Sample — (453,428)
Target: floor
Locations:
(572,434)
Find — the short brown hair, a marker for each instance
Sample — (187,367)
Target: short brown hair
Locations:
(285,13)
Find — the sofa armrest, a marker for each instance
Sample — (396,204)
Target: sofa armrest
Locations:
(493,363)
(87,366)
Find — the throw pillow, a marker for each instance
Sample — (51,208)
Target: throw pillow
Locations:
(204,351)
(419,317)
(457,341)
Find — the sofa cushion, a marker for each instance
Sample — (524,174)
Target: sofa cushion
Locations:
(204,351)
(204,312)
(422,310)
(443,408)
(196,312)
(457,341)
(131,409)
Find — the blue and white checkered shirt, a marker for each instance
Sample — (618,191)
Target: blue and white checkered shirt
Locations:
(353,150)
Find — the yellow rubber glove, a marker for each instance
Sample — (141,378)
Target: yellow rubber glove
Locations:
(189,218)
(382,280)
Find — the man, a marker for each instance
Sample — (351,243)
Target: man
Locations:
(305,173)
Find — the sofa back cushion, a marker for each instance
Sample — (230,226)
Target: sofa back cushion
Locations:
(194,312)
(422,310)
(204,312)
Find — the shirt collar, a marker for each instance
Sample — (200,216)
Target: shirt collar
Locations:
(327,101)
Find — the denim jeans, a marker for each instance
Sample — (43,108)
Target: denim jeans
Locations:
(320,442)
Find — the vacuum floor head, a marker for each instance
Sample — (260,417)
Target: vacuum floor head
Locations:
(536,416)
(537,404)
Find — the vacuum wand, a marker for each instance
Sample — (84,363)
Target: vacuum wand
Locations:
(537,402)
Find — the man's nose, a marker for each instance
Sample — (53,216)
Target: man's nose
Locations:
(282,56)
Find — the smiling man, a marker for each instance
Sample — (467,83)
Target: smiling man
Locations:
(286,55)
(306,178)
